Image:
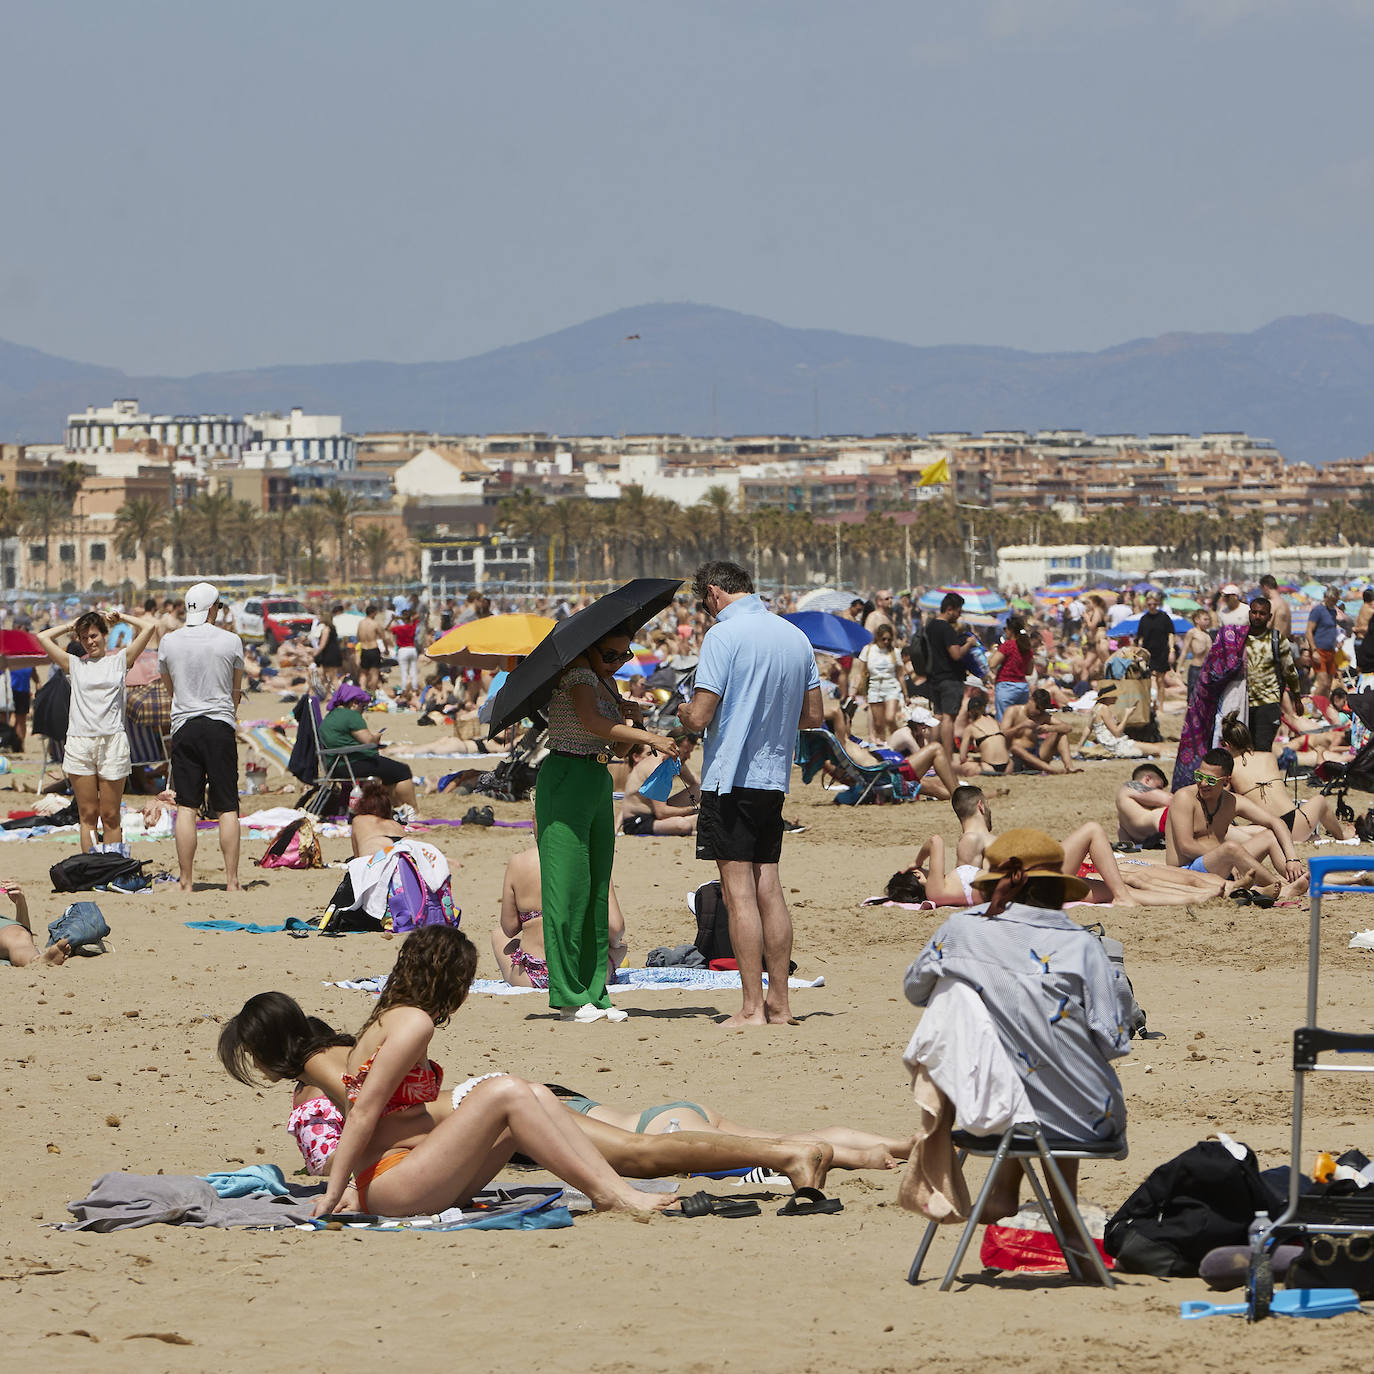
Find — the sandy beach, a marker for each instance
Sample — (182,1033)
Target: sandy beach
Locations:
(109,1064)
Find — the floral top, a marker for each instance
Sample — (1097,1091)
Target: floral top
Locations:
(566,732)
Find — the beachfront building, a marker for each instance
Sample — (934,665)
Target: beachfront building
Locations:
(455,566)
(298,440)
(97,429)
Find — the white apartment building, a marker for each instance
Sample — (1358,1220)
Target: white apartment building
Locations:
(298,440)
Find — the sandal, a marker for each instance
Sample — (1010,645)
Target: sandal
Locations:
(809,1202)
(1242,896)
(479,815)
(1126,847)
(709,1204)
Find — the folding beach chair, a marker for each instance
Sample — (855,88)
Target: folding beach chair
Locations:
(1337,1215)
(1026,1143)
(816,748)
(148,723)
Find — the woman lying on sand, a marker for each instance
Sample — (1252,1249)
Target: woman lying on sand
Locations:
(17,945)
(273,1038)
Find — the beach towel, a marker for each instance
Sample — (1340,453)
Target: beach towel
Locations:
(1224,661)
(120,1202)
(272,742)
(294,924)
(645,979)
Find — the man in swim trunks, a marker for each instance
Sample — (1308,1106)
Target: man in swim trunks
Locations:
(371,641)
(1034,736)
(1201,815)
(640,815)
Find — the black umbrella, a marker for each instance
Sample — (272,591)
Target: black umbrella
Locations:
(531,682)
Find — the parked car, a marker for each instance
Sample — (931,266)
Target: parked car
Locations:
(272,619)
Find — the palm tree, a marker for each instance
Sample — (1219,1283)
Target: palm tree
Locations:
(277,533)
(11,513)
(341,506)
(44,514)
(312,525)
(141,527)
(378,548)
(719,502)
(211,519)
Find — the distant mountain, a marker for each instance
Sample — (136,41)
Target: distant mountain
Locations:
(1306,382)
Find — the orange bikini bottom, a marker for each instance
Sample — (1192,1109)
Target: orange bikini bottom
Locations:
(364,1177)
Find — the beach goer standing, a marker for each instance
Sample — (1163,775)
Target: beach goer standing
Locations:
(1269,673)
(1155,634)
(96,755)
(202,667)
(1229,610)
(1323,627)
(1011,663)
(756,685)
(948,645)
(575,820)
(371,639)
(1281,613)
(407,654)
(328,651)
(1194,647)
(881,614)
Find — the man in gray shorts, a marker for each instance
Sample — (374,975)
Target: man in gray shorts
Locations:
(202,667)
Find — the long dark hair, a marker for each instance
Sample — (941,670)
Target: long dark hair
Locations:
(906,886)
(433,972)
(1016,628)
(273,1035)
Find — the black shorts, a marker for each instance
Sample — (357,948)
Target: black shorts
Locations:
(741,826)
(637,825)
(205,756)
(369,658)
(390,771)
(946,695)
(21,703)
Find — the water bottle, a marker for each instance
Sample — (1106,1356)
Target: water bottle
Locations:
(673,1125)
(354,797)
(1258,1227)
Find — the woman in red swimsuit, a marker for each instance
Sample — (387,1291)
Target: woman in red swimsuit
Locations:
(405,1162)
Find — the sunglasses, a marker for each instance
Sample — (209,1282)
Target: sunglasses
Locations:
(610,656)
(1207,779)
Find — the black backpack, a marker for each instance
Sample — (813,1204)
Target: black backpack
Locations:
(52,704)
(919,652)
(1199,1200)
(713,923)
(85,872)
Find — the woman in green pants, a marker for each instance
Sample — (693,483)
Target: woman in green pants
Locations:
(588,725)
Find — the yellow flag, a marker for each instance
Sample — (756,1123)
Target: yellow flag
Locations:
(936,473)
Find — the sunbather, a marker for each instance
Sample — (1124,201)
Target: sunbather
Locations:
(640,815)
(17,945)
(1256,776)
(1142,804)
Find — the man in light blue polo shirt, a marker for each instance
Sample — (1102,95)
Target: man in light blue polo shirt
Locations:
(756,685)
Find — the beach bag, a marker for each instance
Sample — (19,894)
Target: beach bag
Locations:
(1199,1200)
(52,704)
(295,845)
(411,903)
(919,652)
(713,923)
(86,872)
(1116,953)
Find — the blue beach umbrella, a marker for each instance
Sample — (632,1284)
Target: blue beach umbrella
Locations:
(830,634)
(1126,628)
(979,600)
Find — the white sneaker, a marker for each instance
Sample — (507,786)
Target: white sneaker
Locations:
(583,1014)
(615,1014)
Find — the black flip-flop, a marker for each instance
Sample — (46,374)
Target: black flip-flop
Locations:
(1242,896)
(1262,899)
(809,1202)
(712,1205)
(1126,847)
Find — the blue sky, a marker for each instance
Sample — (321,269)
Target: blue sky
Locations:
(193,186)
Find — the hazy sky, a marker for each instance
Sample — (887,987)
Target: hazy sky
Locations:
(190,185)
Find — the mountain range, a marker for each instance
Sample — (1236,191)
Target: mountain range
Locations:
(1306,382)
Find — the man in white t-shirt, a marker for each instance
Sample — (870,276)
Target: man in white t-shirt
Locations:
(202,667)
(1230,611)
(1119,611)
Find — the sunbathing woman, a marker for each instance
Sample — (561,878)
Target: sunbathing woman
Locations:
(1256,775)
(983,738)
(404,1161)
(518,942)
(372,827)
(1108,730)
(273,1039)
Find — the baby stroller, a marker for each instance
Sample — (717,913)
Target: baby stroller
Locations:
(1337,779)
(514,777)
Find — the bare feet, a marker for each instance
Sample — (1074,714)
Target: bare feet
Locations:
(632,1200)
(740,1019)
(810,1163)
(186,885)
(233,886)
(872,1157)
(54,954)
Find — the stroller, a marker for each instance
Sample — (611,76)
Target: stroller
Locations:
(514,777)
(1338,778)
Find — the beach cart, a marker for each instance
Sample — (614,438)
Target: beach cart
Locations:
(1337,1216)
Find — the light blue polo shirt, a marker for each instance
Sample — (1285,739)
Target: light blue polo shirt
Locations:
(761,667)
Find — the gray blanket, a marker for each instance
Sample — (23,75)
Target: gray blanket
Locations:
(120,1201)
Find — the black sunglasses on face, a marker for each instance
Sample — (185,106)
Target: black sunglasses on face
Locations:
(610,656)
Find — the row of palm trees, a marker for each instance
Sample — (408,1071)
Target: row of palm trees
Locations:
(638,533)
(214,531)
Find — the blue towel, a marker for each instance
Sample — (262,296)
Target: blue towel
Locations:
(256,1178)
(658,786)
(248,928)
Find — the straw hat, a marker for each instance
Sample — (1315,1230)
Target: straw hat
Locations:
(1040,856)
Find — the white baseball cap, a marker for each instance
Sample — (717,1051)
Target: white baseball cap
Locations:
(200,601)
(922,716)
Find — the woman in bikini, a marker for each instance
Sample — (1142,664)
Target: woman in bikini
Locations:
(518,941)
(272,1038)
(372,827)
(1108,731)
(404,1162)
(1255,774)
(983,738)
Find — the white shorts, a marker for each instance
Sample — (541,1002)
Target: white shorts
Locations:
(104,756)
(879,692)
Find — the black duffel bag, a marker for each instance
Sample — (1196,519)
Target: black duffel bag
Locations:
(86,872)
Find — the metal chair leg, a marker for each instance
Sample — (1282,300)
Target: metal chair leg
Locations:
(914,1273)
(1053,1171)
(966,1238)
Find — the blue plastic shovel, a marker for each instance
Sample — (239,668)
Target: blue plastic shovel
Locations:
(1291,1302)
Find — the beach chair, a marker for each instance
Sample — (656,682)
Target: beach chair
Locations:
(1027,1143)
(148,723)
(816,748)
(1337,1215)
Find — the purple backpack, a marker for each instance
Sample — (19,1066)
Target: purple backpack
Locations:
(410,904)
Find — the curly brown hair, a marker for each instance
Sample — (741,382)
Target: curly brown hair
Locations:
(375,799)
(433,972)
